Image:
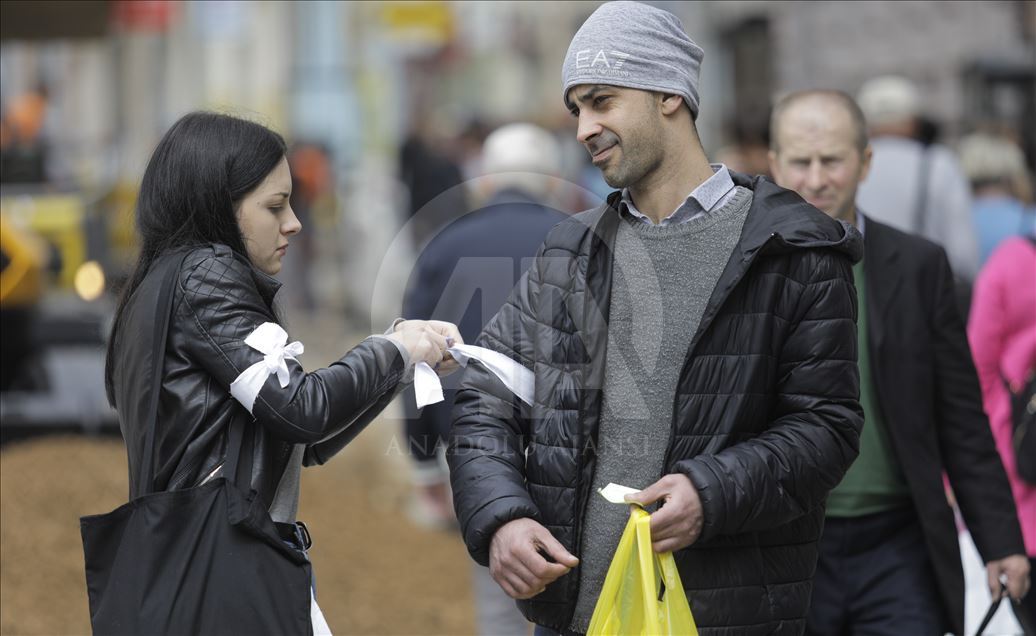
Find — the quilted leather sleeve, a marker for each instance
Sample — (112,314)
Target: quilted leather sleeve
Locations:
(223,306)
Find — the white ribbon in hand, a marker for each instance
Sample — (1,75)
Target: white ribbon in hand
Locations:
(616,494)
(515,377)
(268,339)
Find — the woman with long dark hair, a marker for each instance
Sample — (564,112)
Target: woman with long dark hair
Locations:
(214,202)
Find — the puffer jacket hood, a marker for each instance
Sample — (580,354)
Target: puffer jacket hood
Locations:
(778,214)
(782,213)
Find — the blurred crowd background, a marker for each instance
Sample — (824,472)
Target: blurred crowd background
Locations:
(385,106)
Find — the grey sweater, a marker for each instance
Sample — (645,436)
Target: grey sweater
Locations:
(662,280)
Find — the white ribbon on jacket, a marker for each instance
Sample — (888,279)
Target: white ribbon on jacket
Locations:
(515,377)
(268,339)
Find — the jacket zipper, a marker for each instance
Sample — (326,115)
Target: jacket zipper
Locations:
(711,312)
(583,489)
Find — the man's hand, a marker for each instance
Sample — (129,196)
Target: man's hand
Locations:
(516,558)
(678,523)
(1016,568)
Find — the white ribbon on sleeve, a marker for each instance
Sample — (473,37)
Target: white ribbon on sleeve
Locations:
(268,339)
(515,377)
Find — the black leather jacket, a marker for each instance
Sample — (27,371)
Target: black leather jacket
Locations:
(218,301)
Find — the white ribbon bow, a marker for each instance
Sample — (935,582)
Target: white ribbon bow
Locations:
(268,339)
(515,377)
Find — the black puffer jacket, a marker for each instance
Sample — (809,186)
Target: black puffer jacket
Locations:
(766,418)
(218,301)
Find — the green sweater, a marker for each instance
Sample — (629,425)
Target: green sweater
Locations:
(875,481)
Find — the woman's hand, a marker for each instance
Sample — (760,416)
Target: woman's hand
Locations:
(449,331)
(427,340)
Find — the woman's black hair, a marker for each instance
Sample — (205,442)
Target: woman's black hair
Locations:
(200,171)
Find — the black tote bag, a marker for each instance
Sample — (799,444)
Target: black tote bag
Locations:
(203,560)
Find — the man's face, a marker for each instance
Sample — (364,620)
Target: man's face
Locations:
(817,155)
(622,130)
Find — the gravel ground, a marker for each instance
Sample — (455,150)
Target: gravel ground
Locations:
(377,573)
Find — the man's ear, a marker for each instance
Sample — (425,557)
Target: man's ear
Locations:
(671,103)
(771,158)
(865,162)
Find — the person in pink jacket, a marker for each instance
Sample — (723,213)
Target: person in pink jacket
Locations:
(1002,333)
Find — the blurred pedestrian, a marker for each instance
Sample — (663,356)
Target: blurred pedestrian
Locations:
(23,147)
(1002,198)
(311,185)
(214,203)
(915,186)
(1002,332)
(434,185)
(464,275)
(748,152)
(698,327)
(889,558)
(468,148)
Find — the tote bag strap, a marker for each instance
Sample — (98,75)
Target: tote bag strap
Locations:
(170,266)
(169,269)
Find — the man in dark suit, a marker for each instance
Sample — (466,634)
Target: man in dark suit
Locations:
(889,558)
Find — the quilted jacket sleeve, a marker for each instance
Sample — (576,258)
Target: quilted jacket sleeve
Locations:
(486,452)
(224,306)
(813,438)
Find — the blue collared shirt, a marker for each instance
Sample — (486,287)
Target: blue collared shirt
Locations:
(711,195)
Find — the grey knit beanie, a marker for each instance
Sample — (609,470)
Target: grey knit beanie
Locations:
(637,46)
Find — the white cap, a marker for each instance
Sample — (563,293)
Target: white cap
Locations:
(521,156)
(521,148)
(889,98)
(984,156)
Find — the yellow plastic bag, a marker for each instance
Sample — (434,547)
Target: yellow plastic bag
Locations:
(642,592)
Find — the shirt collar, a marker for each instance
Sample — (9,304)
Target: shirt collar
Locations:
(704,198)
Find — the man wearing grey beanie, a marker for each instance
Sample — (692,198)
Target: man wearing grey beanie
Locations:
(692,337)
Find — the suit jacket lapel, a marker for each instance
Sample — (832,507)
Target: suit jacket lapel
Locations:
(880,258)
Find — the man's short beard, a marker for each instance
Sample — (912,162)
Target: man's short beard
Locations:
(616,181)
(629,172)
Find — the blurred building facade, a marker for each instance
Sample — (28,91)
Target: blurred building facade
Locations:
(358,77)
(974,61)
